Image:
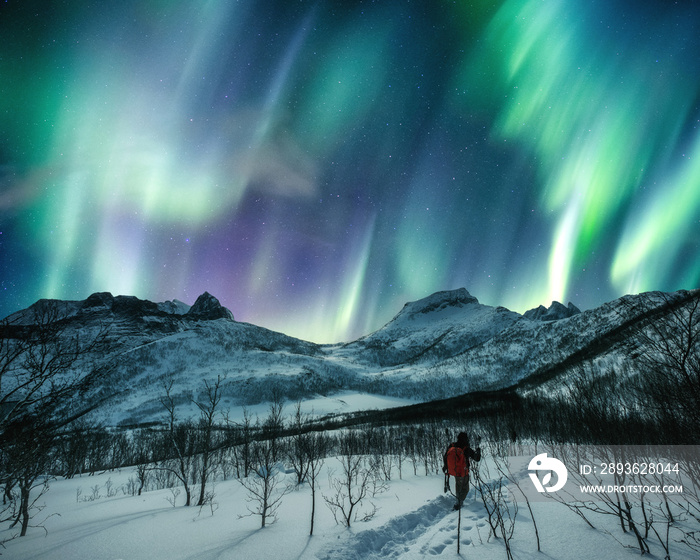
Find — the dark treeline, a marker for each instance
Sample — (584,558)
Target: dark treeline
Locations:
(590,415)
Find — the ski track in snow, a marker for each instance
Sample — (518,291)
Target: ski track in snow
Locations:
(430,529)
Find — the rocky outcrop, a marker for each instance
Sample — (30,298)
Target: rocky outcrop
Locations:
(207,307)
(555,312)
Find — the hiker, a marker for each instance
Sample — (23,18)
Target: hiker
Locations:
(456,463)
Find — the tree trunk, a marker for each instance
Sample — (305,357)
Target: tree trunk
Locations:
(24,507)
(203,479)
(313,507)
(266,494)
(187,495)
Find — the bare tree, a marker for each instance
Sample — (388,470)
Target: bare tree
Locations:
(306,453)
(274,424)
(180,442)
(37,366)
(669,355)
(616,504)
(398,449)
(208,410)
(317,446)
(352,486)
(503,467)
(47,375)
(240,436)
(298,450)
(501,509)
(143,457)
(263,485)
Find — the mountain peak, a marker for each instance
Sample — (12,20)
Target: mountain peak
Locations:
(208,307)
(555,312)
(99,300)
(126,306)
(435,327)
(440,300)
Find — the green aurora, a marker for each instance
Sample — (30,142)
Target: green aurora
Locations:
(315,165)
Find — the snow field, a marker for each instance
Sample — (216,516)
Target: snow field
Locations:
(415,520)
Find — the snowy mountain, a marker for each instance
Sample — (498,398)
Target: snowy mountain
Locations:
(125,313)
(443,345)
(554,312)
(433,328)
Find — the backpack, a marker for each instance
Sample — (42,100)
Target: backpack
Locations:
(455,461)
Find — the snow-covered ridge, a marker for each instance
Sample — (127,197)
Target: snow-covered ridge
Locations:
(444,345)
(124,313)
(438,301)
(440,325)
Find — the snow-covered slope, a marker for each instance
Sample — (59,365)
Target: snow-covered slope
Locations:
(443,345)
(414,520)
(436,327)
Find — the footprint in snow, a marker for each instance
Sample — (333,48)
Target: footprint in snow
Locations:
(394,537)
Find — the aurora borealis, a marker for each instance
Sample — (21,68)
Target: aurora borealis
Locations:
(315,165)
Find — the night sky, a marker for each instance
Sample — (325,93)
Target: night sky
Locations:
(315,165)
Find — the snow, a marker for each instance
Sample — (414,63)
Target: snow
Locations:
(343,402)
(415,520)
